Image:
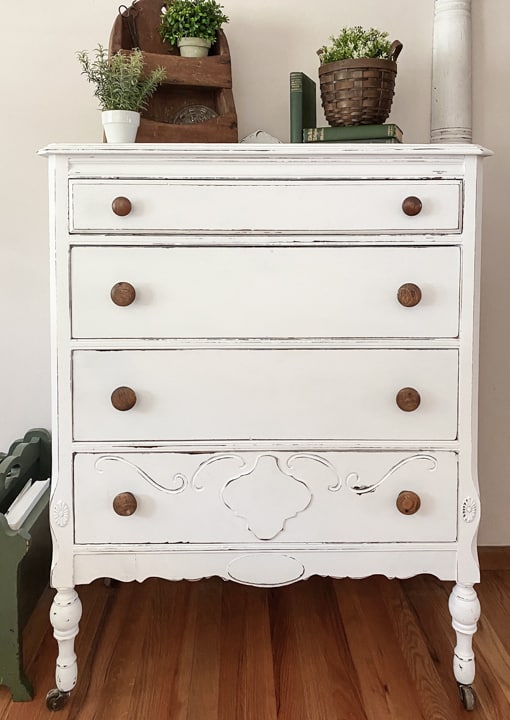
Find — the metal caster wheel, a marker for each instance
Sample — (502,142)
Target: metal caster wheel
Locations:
(56,699)
(467,697)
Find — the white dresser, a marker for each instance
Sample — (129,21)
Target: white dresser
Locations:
(265,368)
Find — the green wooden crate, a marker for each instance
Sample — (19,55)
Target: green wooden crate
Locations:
(25,553)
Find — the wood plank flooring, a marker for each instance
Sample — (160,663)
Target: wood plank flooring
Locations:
(372,649)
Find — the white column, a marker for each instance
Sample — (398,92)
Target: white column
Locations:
(451,72)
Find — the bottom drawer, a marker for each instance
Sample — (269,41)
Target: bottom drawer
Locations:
(265,497)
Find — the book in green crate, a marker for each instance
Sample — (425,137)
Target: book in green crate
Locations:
(303,113)
(353,133)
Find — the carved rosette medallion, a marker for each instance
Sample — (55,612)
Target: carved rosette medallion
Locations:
(61,513)
(469,509)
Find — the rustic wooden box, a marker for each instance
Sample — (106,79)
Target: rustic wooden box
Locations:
(190,83)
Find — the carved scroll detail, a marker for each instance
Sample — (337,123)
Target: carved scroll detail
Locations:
(335,487)
(179,481)
(248,492)
(352,479)
(267,490)
(195,484)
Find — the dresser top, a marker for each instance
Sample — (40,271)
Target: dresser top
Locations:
(279,150)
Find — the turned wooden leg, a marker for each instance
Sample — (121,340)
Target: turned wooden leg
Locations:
(65,616)
(465,611)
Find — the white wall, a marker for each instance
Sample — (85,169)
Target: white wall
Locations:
(46,100)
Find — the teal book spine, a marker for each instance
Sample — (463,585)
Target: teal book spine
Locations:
(303,113)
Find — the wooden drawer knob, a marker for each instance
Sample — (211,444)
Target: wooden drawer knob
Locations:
(121,206)
(412,205)
(408,502)
(408,399)
(123,294)
(125,504)
(123,398)
(409,295)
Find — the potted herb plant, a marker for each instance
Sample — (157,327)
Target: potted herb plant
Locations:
(357,76)
(191,25)
(122,88)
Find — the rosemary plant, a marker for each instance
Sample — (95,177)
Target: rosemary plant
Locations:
(120,81)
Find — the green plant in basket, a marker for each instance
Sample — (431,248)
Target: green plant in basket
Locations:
(190,19)
(120,81)
(356,42)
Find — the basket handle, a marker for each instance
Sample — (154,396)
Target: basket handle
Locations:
(395,49)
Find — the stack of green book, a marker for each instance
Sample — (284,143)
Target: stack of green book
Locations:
(303,119)
(389,133)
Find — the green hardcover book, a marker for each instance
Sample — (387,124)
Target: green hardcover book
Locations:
(386,141)
(353,133)
(303,113)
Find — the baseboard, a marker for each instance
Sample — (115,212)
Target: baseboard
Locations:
(494,557)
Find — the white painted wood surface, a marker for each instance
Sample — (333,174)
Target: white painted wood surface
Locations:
(395,560)
(274,388)
(219,292)
(451,72)
(265,394)
(247,206)
(275,497)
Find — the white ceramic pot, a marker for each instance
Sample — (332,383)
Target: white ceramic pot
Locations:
(120,126)
(194,47)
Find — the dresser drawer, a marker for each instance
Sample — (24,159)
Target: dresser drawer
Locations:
(265,497)
(313,207)
(233,292)
(263,394)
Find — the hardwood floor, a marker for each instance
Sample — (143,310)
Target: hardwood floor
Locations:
(322,649)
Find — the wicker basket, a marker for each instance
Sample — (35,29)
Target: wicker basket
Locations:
(359,91)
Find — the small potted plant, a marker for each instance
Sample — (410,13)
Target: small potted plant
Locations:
(122,88)
(191,25)
(357,76)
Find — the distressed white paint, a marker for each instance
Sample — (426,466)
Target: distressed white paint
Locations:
(277,497)
(319,412)
(465,611)
(65,614)
(247,206)
(219,292)
(241,394)
(451,72)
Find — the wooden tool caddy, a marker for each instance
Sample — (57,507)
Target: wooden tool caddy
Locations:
(194,87)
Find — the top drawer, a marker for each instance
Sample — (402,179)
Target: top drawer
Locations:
(251,206)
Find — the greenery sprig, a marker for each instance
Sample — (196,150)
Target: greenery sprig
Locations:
(191,18)
(120,80)
(356,42)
